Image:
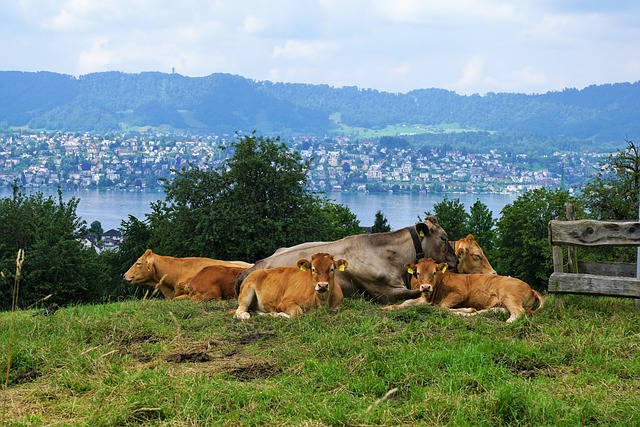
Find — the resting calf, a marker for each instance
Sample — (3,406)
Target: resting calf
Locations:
(470,294)
(214,282)
(290,291)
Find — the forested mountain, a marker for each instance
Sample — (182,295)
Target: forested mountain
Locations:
(225,103)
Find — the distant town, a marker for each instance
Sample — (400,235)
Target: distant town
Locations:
(140,161)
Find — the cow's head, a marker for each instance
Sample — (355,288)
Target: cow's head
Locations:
(435,242)
(424,272)
(323,270)
(142,270)
(471,258)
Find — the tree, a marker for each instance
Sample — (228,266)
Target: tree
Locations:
(452,217)
(522,248)
(247,208)
(481,224)
(96,227)
(380,224)
(613,193)
(55,262)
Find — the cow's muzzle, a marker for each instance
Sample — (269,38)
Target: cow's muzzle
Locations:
(322,286)
(426,288)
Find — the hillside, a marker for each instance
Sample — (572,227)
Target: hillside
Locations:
(225,103)
(180,363)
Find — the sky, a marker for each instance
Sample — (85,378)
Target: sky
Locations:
(466,46)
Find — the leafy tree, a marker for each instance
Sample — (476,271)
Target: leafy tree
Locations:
(453,217)
(380,224)
(522,248)
(247,208)
(96,227)
(481,224)
(613,193)
(55,262)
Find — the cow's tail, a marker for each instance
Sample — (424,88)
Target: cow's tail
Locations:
(240,278)
(538,296)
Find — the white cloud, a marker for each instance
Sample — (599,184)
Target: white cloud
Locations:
(392,45)
(97,58)
(297,49)
(472,73)
(252,25)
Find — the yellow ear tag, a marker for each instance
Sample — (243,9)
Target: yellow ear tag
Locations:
(341,268)
(303,268)
(444,269)
(410,270)
(421,233)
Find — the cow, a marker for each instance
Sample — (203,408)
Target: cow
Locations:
(470,294)
(471,258)
(214,282)
(165,273)
(373,266)
(289,291)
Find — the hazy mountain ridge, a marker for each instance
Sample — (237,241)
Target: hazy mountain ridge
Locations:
(226,103)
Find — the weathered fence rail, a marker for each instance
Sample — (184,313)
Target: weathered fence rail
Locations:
(608,279)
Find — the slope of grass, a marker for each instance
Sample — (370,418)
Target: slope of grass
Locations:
(157,363)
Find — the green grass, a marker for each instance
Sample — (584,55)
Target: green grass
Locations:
(157,363)
(396,129)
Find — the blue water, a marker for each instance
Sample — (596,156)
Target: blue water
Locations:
(110,207)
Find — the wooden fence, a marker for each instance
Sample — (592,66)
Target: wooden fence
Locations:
(608,279)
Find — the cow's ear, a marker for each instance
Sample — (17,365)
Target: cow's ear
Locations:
(410,267)
(443,266)
(342,264)
(148,252)
(303,264)
(149,263)
(422,229)
(461,252)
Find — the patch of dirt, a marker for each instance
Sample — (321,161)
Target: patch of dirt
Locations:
(255,371)
(22,377)
(526,368)
(140,339)
(197,357)
(248,339)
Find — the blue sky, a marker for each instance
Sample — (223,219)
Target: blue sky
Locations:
(468,46)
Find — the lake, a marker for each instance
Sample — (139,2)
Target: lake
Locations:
(110,207)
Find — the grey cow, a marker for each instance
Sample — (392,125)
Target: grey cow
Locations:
(376,261)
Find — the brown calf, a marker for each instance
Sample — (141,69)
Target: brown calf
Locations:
(470,294)
(290,291)
(214,282)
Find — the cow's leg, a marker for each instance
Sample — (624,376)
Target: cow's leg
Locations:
(213,294)
(392,295)
(294,310)
(451,300)
(465,311)
(278,314)
(493,309)
(181,297)
(196,297)
(515,313)
(247,294)
(407,303)
(167,291)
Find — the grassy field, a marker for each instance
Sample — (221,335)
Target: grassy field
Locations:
(158,363)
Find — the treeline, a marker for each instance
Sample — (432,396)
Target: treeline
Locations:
(257,202)
(224,103)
